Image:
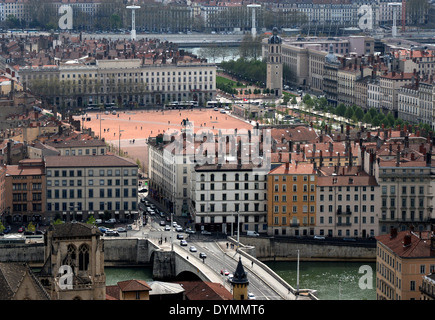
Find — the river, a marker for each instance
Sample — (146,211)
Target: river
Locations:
(332,280)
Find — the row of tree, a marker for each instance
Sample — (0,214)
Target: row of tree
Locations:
(355,113)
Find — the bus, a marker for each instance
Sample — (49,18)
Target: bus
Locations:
(213,104)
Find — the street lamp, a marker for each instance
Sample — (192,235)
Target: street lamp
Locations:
(119,142)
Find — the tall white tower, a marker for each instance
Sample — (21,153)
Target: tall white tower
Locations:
(133,21)
(395,6)
(253,27)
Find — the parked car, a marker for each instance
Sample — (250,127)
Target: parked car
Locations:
(193,249)
(111,221)
(163,223)
(183,243)
(98,221)
(319,237)
(7,230)
(179,229)
(21,229)
(111,233)
(205,232)
(121,229)
(251,296)
(102,229)
(190,231)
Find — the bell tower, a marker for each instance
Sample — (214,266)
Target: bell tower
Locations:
(240,283)
(274,64)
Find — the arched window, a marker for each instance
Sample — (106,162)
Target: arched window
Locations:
(212,177)
(71,256)
(224,177)
(202,177)
(246,177)
(83,257)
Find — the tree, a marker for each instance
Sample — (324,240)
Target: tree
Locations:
(367,118)
(340,110)
(348,113)
(294,101)
(91,220)
(359,113)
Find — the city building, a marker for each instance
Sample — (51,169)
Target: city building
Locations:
(228,195)
(427,287)
(291,198)
(102,186)
(347,203)
(403,259)
(25,186)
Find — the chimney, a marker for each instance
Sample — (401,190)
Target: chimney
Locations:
(407,240)
(393,232)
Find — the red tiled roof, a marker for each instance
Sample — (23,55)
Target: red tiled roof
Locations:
(418,247)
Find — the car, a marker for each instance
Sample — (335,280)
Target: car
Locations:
(102,229)
(183,243)
(167,228)
(174,224)
(190,231)
(21,229)
(151,212)
(180,237)
(98,221)
(193,249)
(179,229)
(205,232)
(251,296)
(121,229)
(129,227)
(111,221)
(202,255)
(230,277)
(7,230)
(111,233)
(319,237)
(225,272)
(163,223)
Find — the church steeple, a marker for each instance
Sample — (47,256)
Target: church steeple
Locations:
(240,282)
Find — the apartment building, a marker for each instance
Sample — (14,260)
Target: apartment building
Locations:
(427,287)
(403,259)
(292,199)
(25,186)
(79,147)
(389,84)
(409,103)
(403,171)
(229,197)
(348,201)
(125,80)
(169,171)
(81,186)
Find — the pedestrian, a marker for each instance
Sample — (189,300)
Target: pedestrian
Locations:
(252,264)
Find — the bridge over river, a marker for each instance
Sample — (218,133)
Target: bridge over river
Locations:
(264,283)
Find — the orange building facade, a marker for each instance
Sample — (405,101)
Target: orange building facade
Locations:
(292,199)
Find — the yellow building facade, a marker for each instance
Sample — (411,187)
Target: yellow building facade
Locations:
(292,199)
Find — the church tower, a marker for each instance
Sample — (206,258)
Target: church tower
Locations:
(274,64)
(74,262)
(240,283)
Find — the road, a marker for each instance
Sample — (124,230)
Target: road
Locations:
(219,256)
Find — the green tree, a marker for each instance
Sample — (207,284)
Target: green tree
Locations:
(367,118)
(359,113)
(340,110)
(349,113)
(91,220)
